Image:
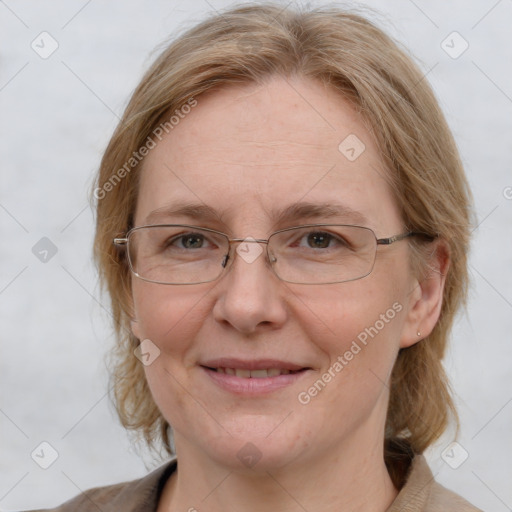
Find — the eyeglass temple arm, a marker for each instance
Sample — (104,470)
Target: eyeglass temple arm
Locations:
(397,238)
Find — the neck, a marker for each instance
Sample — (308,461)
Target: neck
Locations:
(360,482)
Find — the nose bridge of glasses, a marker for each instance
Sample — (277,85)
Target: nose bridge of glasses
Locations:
(247,255)
(248,239)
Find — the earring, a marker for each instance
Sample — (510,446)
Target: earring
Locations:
(418,333)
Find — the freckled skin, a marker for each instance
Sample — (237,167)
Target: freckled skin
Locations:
(243,150)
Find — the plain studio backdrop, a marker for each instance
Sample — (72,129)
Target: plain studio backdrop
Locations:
(67,69)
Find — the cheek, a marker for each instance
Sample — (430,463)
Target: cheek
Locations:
(357,326)
(170,318)
(166,315)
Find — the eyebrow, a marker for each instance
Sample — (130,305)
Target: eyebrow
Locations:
(294,212)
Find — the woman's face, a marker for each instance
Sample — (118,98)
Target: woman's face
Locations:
(249,152)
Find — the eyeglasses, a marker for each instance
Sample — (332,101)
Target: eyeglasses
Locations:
(308,254)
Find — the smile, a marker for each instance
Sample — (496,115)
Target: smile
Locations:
(253,381)
(254,374)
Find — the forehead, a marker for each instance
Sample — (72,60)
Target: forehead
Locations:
(245,149)
(289,115)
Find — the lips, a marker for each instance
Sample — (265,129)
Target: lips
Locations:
(231,370)
(255,374)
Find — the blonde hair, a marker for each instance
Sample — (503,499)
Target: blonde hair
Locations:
(249,44)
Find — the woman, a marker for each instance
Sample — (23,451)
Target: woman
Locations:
(283,227)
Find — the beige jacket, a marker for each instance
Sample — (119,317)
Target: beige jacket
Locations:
(419,494)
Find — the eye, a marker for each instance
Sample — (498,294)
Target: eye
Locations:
(191,240)
(188,241)
(321,240)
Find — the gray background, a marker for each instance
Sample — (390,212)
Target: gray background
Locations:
(56,116)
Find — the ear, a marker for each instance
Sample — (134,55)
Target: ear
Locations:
(426,297)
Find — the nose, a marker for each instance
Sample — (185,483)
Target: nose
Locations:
(250,296)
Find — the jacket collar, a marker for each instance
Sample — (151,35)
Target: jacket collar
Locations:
(144,494)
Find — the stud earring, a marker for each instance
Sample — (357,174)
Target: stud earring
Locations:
(418,333)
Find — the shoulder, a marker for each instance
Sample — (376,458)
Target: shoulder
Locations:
(140,495)
(422,493)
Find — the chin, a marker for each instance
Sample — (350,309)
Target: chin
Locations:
(256,447)
(253,456)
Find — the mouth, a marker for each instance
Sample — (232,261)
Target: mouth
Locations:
(242,377)
(255,374)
